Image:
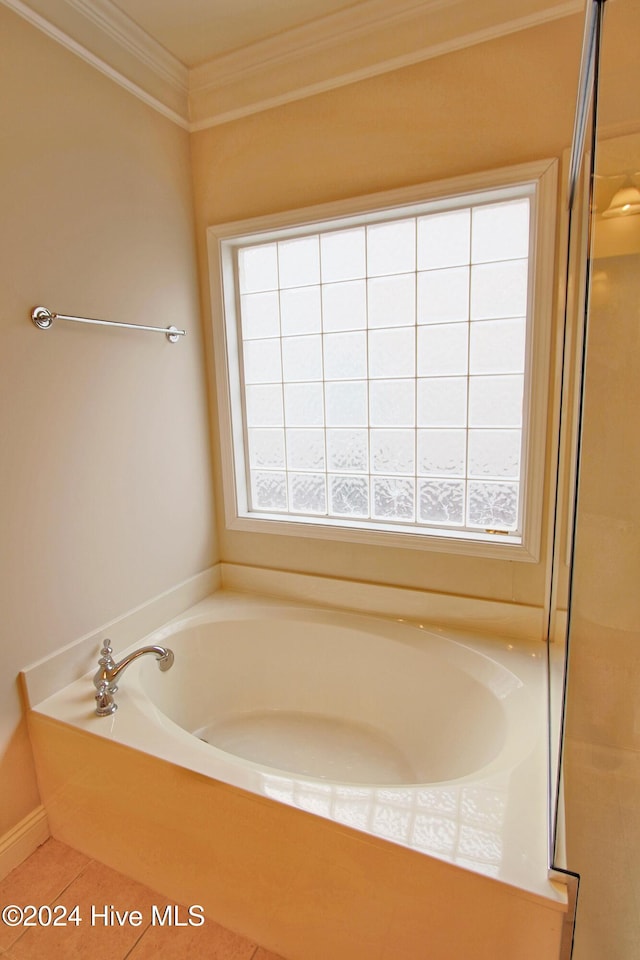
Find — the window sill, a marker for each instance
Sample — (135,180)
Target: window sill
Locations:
(500,547)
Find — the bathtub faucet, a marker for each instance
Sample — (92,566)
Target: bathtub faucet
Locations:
(109,671)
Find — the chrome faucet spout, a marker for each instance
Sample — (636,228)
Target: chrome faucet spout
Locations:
(109,671)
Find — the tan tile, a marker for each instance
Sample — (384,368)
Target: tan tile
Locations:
(207,942)
(101,888)
(601,800)
(39,880)
(262,954)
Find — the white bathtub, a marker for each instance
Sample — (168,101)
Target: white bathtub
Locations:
(432,741)
(337,698)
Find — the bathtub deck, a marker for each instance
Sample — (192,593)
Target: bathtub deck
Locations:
(484,812)
(58,874)
(311,870)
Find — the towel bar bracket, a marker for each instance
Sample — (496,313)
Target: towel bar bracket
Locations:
(42,317)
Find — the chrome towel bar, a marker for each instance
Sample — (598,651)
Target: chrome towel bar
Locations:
(44,318)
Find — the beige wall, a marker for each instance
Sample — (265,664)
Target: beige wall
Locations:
(504,102)
(105,462)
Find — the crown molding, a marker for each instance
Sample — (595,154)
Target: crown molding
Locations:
(123,30)
(345,26)
(368,39)
(372,38)
(101,35)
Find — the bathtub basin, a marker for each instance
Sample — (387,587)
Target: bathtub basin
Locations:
(336,697)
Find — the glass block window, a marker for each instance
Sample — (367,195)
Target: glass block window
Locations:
(379,367)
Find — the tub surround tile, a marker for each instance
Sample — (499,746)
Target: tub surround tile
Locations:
(605,674)
(208,942)
(605,849)
(41,879)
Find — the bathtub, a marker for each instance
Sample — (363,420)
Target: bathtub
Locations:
(386,735)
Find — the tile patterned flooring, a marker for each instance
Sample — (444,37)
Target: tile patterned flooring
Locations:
(57,875)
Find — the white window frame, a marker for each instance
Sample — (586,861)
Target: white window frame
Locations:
(541,178)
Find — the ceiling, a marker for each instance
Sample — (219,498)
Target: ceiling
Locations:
(196,31)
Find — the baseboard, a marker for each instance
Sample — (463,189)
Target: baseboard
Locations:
(20,842)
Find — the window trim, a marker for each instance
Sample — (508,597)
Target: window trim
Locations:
(542,175)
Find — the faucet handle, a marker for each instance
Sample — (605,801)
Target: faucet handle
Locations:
(105,704)
(107,651)
(105,664)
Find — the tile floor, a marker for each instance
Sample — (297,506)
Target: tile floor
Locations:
(57,876)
